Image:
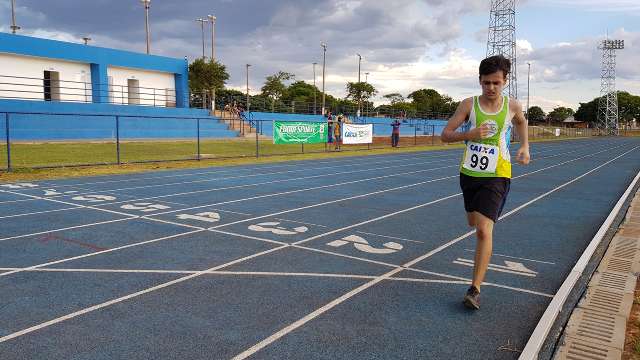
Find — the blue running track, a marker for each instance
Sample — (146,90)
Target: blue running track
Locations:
(363,257)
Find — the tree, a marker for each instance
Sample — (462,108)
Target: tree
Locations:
(394,98)
(628,109)
(274,87)
(560,113)
(207,75)
(536,114)
(360,91)
(430,101)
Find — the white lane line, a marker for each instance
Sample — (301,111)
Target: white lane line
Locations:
(541,331)
(528,291)
(515,210)
(259,184)
(385,176)
(301,222)
(126,297)
(515,257)
(497,268)
(39,212)
(390,237)
(253,167)
(305,190)
(337,201)
(87,191)
(286,330)
(254,349)
(446,157)
(101,252)
(251,175)
(152,217)
(278,213)
(63,229)
(255,238)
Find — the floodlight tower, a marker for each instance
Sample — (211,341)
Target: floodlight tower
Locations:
(502,38)
(608,104)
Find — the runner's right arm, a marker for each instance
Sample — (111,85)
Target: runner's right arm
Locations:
(449,134)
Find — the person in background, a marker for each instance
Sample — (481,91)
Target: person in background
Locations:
(337,133)
(395,133)
(329,127)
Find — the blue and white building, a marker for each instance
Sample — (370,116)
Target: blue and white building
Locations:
(40,78)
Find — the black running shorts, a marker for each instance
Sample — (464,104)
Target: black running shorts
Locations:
(485,195)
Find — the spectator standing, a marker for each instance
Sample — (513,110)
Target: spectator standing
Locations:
(395,133)
(337,133)
(329,127)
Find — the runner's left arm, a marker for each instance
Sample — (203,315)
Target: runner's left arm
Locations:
(522,129)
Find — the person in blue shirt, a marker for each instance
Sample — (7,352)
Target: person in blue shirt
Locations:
(395,133)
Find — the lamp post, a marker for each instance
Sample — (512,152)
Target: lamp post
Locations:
(360,92)
(212,20)
(14,27)
(315,102)
(324,63)
(247,110)
(202,21)
(366,80)
(86,40)
(146,4)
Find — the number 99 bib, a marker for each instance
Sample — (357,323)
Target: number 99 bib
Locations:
(481,158)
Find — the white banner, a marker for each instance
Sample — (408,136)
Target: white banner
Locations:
(357,134)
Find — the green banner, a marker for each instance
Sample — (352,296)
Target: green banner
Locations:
(299,132)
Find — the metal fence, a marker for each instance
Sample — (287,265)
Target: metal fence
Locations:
(53,89)
(205,99)
(122,139)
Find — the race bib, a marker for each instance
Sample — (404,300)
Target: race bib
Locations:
(481,158)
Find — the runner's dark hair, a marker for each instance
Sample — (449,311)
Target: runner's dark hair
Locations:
(494,64)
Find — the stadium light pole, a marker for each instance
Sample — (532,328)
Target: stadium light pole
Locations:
(248,65)
(528,79)
(315,102)
(86,40)
(366,80)
(14,27)
(324,63)
(202,21)
(360,94)
(212,20)
(147,4)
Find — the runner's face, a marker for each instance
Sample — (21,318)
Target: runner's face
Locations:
(493,84)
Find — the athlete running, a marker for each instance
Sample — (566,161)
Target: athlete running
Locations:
(485,170)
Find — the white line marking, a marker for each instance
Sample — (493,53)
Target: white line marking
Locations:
(274,337)
(390,237)
(515,257)
(63,229)
(124,298)
(541,331)
(100,252)
(281,333)
(39,212)
(497,268)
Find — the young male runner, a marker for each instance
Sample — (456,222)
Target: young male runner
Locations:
(485,170)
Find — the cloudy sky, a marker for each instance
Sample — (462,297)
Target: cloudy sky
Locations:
(406,44)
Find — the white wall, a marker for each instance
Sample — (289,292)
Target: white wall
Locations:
(156,88)
(75,78)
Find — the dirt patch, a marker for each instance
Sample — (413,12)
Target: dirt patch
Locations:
(632,338)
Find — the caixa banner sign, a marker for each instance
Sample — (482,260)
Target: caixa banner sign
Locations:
(357,134)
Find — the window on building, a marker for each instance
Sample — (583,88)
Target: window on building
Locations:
(51,86)
(134,91)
